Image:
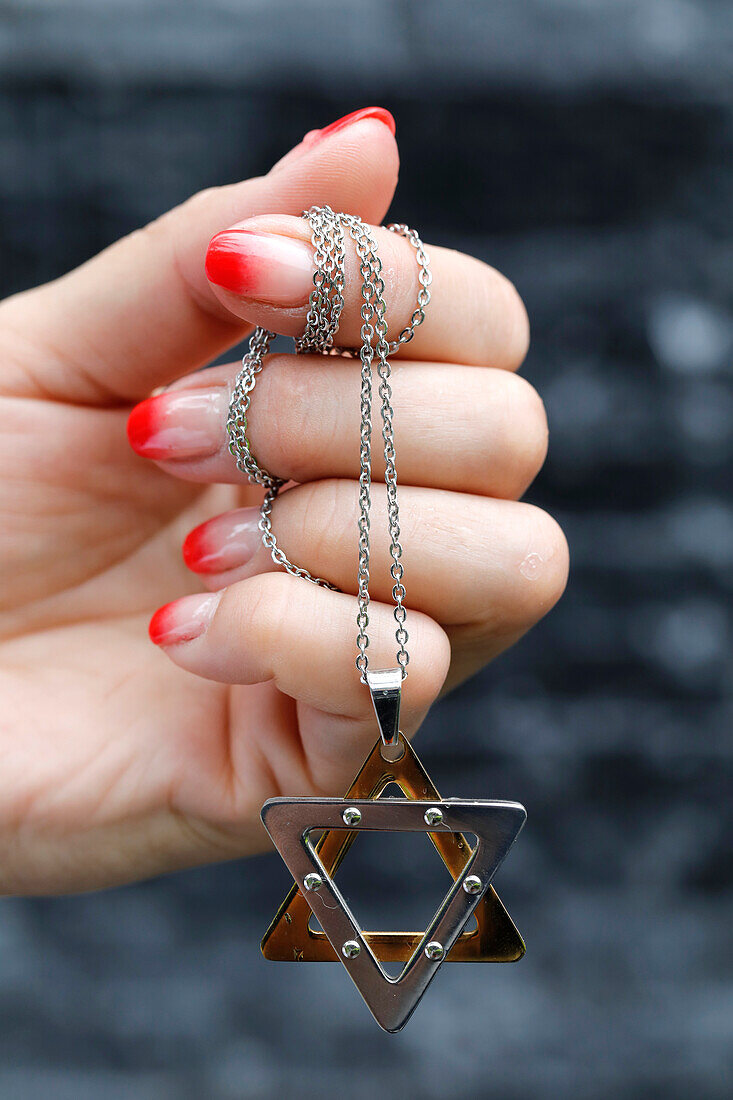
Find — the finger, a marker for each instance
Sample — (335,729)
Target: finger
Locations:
(486,570)
(142,312)
(262,270)
(279,629)
(482,431)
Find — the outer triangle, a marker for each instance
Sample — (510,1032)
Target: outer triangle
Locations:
(392,1000)
(290,937)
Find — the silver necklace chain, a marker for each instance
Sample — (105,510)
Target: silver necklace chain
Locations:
(324,311)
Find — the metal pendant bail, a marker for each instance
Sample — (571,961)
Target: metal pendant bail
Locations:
(385,687)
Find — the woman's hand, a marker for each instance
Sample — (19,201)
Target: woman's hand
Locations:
(119,759)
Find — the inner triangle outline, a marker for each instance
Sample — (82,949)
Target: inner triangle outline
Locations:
(391,1000)
(290,937)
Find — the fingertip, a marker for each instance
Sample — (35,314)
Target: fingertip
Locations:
(183,620)
(160,624)
(142,426)
(195,551)
(314,137)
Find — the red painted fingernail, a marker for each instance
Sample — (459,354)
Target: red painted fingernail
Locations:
(313,137)
(180,424)
(223,543)
(379,113)
(184,619)
(266,267)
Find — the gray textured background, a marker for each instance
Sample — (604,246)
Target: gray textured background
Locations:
(584,148)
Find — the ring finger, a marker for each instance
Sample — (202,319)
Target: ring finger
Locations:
(486,570)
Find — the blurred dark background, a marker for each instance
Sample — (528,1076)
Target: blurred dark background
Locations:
(584,149)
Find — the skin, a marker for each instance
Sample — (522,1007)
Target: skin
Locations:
(122,759)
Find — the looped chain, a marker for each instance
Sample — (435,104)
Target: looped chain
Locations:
(425,278)
(252,363)
(322,320)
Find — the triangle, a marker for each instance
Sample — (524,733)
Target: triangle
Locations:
(289,821)
(290,937)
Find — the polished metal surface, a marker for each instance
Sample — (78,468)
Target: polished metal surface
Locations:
(350,949)
(385,688)
(313,881)
(472,884)
(434,816)
(351,816)
(290,937)
(290,821)
(434,950)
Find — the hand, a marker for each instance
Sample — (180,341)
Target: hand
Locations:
(120,759)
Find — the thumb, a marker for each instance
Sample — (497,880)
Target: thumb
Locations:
(142,312)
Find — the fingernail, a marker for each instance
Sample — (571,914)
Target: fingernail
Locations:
(313,137)
(184,619)
(265,267)
(179,424)
(223,543)
(378,113)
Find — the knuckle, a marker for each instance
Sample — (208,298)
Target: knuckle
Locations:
(544,568)
(504,325)
(517,323)
(505,460)
(533,574)
(531,418)
(161,231)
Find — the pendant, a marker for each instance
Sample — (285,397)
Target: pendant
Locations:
(290,821)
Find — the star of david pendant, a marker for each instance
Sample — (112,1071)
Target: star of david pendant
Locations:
(290,821)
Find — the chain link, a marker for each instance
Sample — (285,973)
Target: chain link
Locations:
(322,320)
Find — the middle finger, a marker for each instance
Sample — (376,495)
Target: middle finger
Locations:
(262,270)
(476,431)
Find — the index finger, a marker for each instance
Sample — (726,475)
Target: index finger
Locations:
(262,270)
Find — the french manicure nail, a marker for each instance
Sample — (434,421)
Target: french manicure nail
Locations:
(264,267)
(225,542)
(184,619)
(179,424)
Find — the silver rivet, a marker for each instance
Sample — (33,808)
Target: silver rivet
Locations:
(472,884)
(434,950)
(433,816)
(351,815)
(350,949)
(313,881)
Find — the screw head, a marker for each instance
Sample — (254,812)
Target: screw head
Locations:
(433,816)
(350,949)
(313,881)
(351,815)
(472,884)
(434,950)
